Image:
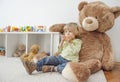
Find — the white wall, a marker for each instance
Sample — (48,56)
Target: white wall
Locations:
(49,12)
(37,12)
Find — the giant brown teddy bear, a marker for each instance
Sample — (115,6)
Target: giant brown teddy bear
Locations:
(95,18)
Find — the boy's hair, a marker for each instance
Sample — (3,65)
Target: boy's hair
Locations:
(73,27)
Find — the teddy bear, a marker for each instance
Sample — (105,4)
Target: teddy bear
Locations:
(95,19)
(19,50)
(34,49)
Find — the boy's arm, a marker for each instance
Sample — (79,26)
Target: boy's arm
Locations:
(61,42)
(60,46)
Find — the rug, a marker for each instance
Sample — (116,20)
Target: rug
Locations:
(12,70)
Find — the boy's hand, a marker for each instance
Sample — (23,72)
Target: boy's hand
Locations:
(69,37)
(63,37)
(62,40)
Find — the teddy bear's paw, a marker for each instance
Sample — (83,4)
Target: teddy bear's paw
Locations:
(76,72)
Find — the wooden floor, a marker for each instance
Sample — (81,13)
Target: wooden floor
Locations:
(114,75)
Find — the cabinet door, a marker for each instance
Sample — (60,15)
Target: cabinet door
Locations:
(13,40)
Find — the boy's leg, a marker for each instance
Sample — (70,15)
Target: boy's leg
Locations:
(51,68)
(61,67)
(49,60)
(31,66)
(58,68)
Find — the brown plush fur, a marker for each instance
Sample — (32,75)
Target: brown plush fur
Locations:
(19,51)
(33,52)
(80,70)
(104,14)
(96,52)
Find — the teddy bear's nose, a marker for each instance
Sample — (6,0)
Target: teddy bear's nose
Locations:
(89,21)
(90,24)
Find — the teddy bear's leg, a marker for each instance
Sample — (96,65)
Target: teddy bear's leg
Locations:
(93,65)
(76,72)
(80,71)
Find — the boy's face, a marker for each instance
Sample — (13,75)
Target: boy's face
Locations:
(69,35)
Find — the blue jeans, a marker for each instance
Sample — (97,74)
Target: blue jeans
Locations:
(58,61)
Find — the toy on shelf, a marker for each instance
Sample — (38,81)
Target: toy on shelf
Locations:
(29,29)
(14,29)
(34,49)
(7,29)
(20,50)
(40,28)
(2,51)
(1,30)
(23,29)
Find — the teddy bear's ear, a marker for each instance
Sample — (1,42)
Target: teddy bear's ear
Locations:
(116,11)
(81,5)
(57,28)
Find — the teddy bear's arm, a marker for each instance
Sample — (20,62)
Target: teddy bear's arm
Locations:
(57,28)
(108,55)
